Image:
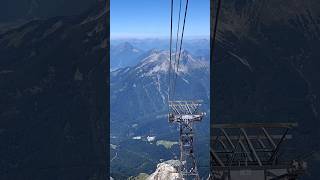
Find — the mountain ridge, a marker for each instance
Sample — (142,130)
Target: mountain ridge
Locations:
(265,68)
(51,68)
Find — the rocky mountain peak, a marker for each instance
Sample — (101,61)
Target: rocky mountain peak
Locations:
(166,170)
(158,62)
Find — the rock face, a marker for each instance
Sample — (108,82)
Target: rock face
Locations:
(266,68)
(167,170)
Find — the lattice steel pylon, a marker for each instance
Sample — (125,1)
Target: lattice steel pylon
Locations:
(185,113)
(251,151)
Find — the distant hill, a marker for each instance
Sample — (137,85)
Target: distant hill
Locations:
(199,47)
(124,55)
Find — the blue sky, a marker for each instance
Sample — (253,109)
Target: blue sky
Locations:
(151,18)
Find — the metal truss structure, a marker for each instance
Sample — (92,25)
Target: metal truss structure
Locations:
(251,152)
(185,113)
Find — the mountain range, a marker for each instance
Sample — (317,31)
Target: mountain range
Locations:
(266,69)
(199,47)
(53,84)
(141,91)
(24,10)
(138,99)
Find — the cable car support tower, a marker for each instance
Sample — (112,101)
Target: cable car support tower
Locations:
(184,113)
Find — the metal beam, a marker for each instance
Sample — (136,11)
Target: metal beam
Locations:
(255,125)
(269,137)
(288,136)
(191,112)
(278,145)
(223,145)
(214,155)
(227,136)
(175,109)
(263,145)
(245,150)
(251,146)
(234,151)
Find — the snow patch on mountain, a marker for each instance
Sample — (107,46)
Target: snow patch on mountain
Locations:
(242,60)
(159,62)
(95,17)
(135,50)
(186,81)
(53,29)
(159,89)
(16,38)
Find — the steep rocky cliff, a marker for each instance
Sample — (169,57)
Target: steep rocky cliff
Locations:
(166,170)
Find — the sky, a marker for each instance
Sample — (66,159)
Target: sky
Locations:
(151,18)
